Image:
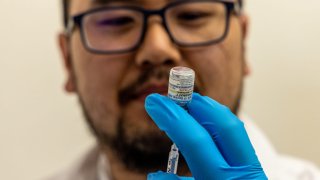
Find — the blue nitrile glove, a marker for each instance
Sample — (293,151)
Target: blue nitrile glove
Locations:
(211,138)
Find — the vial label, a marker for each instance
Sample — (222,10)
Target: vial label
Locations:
(181,84)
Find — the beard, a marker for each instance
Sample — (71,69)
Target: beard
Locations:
(145,151)
(141,153)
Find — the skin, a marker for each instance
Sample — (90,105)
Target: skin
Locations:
(98,79)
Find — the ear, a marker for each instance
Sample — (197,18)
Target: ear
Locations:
(244,23)
(63,41)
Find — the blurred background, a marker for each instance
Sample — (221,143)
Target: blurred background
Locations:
(42,130)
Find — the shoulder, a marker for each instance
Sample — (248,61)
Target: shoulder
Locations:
(300,168)
(276,165)
(83,169)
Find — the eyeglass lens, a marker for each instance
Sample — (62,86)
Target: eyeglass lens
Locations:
(188,23)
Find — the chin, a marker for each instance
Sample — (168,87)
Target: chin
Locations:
(139,130)
(135,117)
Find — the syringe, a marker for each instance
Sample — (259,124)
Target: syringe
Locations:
(181,83)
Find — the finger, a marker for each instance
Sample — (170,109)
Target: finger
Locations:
(166,176)
(226,129)
(192,139)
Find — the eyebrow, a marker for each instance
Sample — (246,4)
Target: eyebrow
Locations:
(100,2)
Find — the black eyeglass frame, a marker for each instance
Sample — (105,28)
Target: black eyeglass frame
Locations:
(77,20)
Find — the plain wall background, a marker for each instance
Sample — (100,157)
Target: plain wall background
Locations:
(42,129)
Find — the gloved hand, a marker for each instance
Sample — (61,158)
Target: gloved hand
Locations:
(211,138)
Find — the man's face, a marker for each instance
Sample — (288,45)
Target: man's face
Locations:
(112,88)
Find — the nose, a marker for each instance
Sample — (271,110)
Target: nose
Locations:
(157,47)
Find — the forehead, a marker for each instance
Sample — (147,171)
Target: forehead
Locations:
(77,6)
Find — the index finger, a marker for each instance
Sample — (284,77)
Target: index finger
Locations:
(225,128)
(195,143)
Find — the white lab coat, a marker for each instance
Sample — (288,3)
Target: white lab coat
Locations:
(93,166)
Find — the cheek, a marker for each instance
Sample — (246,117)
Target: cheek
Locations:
(220,72)
(210,72)
(94,74)
(98,79)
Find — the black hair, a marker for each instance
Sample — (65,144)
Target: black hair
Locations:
(65,9)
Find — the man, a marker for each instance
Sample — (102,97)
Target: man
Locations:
(117,52)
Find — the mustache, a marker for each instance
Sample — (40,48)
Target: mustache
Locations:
(131,91)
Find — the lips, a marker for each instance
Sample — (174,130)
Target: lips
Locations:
(149,89)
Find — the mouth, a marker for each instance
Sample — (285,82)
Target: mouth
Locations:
(139,93)
(149,89)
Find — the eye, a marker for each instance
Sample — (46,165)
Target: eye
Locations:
(116,21)
(192,16)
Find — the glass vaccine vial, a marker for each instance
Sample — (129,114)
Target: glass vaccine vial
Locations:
(181,85)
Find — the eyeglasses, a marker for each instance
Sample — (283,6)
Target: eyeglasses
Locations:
(121,29)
